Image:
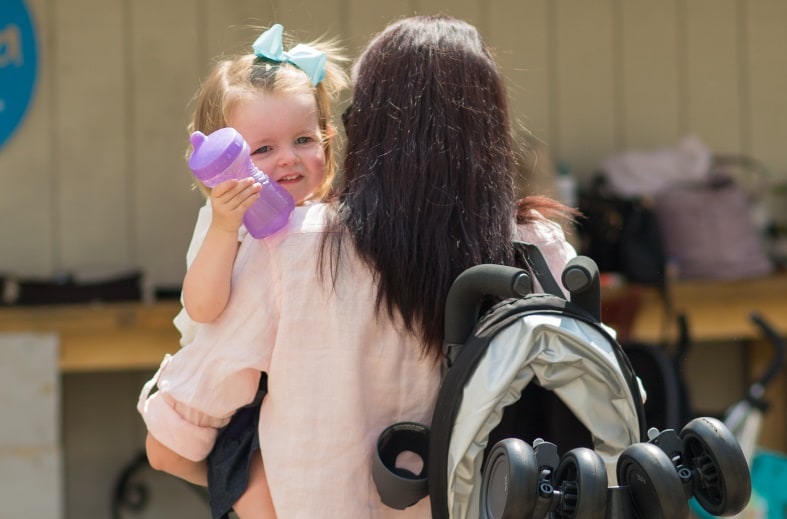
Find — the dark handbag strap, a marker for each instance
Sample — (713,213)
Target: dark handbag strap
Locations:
(535,262)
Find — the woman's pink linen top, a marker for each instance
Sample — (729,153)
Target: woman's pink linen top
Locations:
(338,372)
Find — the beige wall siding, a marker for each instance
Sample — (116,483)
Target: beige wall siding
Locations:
(164,59)
(712,64)
(95,177)
(92,128)
(28,174)
(647,111)
(584,90)
(524,53)
(765,82)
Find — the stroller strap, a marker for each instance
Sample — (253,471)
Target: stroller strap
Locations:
(535,262)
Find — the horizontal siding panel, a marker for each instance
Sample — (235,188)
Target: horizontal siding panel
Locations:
(164,205)
(766,83)
(648,78)
(712,68)
(524,59)
(309,20)
(230,27)
(586,92)
(95,176)
(365,19)
(92,132)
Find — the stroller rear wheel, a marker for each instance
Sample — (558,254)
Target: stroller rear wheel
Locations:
(654,485)
(724,482)
(581,478)
(510,479)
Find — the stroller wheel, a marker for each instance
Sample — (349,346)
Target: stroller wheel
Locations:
(723,485)
(510,480)
(581,478)
(654,485)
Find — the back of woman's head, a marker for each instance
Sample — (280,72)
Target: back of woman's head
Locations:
(248,76)
(433,75)
(427,189)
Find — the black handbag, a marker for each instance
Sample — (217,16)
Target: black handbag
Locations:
(621,234)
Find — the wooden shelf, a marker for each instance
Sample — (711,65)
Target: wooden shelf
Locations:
(130,336)
(716,310)
(102,336)
(719,312)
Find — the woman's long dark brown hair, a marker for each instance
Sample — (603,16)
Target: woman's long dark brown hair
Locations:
(427,189)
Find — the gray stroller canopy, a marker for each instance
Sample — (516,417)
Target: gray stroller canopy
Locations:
(561,354)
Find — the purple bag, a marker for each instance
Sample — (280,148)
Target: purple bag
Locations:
(708,232)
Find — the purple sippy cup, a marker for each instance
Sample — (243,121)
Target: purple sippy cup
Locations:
(224,155)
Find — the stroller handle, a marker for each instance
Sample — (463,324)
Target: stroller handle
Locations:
(778,344)
(464,298)
(581,278)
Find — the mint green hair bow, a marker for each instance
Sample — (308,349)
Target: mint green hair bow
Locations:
(308,59)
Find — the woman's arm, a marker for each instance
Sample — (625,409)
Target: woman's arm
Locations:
(549,237)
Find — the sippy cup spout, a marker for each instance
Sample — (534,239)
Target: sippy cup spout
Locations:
(197,138)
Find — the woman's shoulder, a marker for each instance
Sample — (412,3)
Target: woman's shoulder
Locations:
(540,229)
(311,217)
(306,222)
(547,235)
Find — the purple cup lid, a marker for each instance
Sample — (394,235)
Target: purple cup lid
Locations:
(215,152)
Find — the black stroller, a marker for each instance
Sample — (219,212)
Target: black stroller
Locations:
(540,415)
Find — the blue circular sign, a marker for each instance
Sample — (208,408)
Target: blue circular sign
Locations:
(18,65)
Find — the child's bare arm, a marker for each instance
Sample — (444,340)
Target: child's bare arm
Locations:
(206,287)
(256,500)
(166,460)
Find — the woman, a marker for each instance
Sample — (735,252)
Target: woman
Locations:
(344,310)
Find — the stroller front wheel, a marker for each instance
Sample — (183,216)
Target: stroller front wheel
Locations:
(582,480)
(510,479)
(724,481)
(654,485)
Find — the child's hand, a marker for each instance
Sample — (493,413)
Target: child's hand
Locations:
(229,201)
